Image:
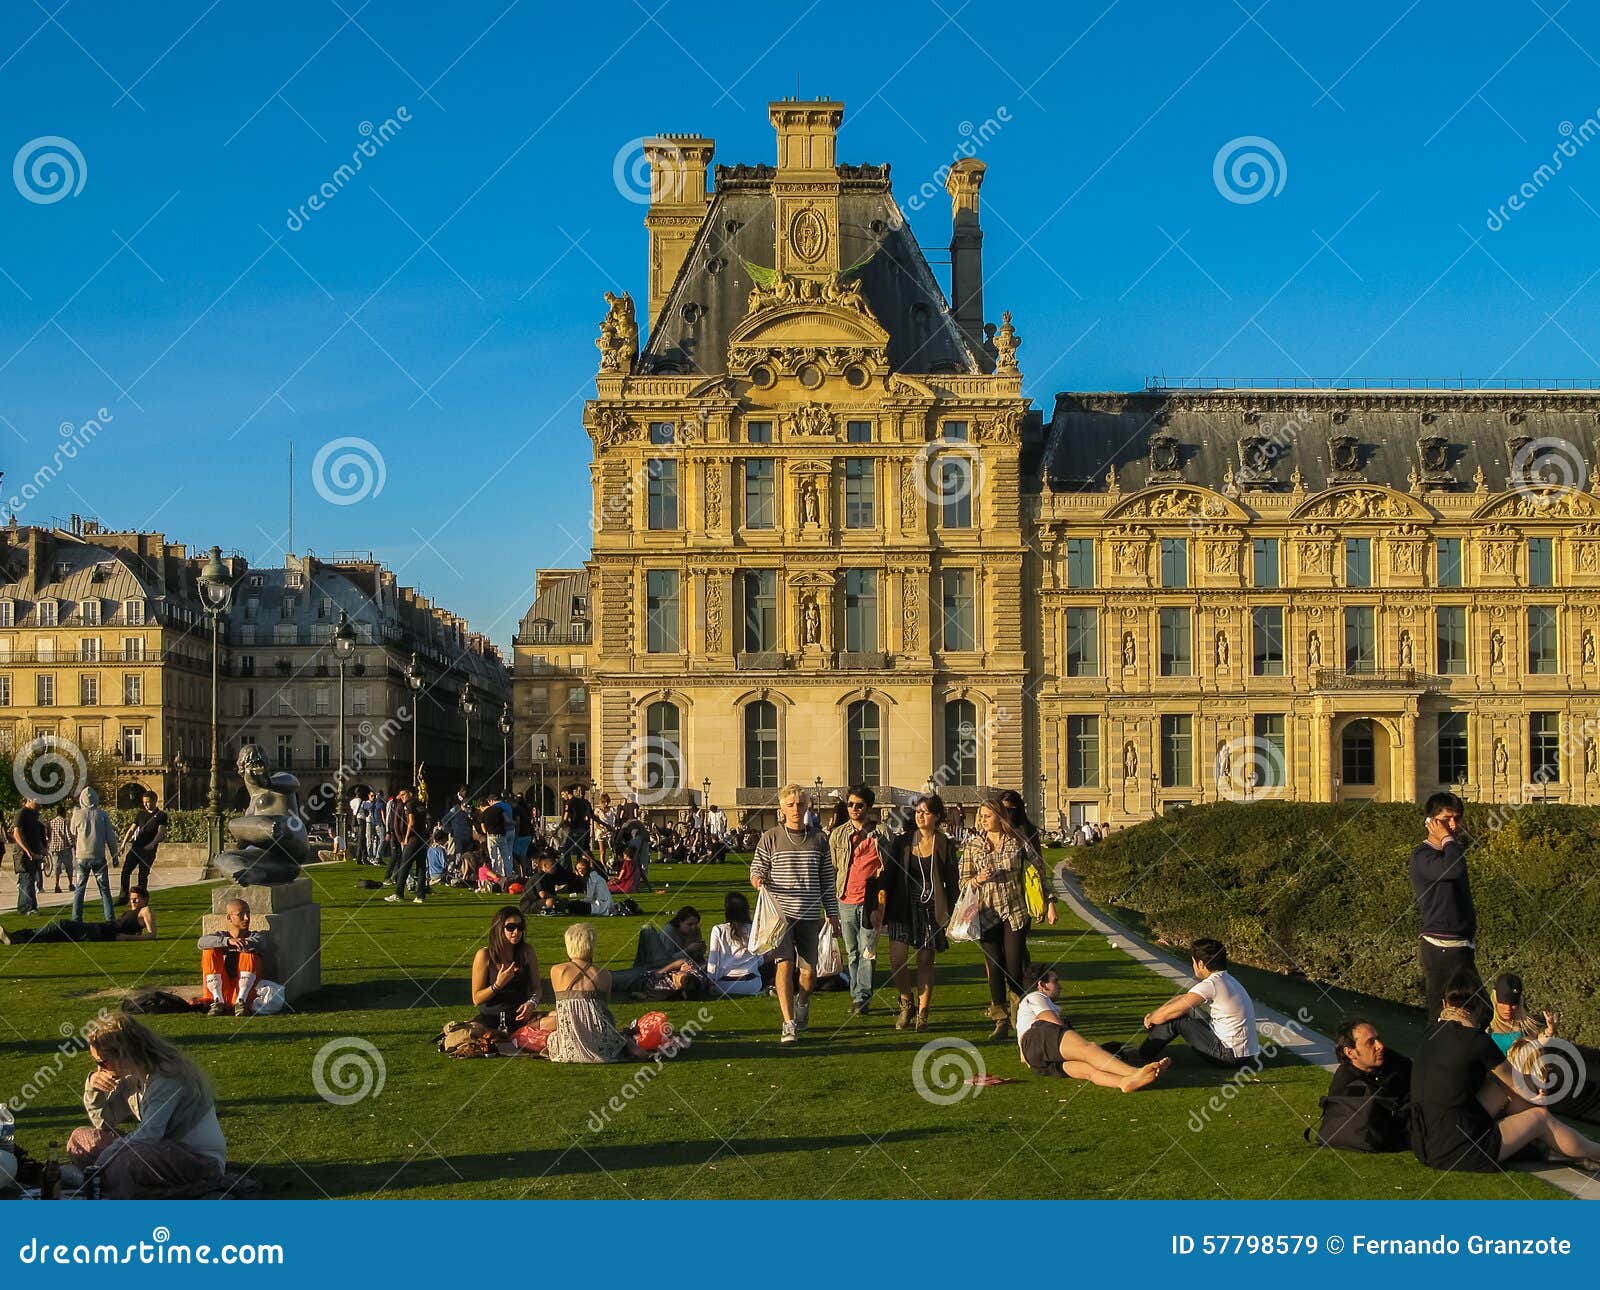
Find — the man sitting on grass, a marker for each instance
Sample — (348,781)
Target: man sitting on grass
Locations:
(1227,1037)
(231,963)
(138,924)
(550,879)
(1050,1046)
(1368,1106)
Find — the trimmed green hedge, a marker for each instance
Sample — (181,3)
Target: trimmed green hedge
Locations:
(1323,890)
(182,826)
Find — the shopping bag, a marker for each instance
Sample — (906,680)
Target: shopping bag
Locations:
(829,962)
(769,927)
(966,919)
(268,999)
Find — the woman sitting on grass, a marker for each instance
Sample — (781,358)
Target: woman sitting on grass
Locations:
(1049,1045)
(583,1029)
(733,967)
(505,975)
(177,1149)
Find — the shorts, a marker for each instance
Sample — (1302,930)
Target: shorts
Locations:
(800,937)
(1041,1047)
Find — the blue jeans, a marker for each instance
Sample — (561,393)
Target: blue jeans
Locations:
(27,888)
(855,926)
(98,869)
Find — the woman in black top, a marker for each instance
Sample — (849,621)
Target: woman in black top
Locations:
(505,975)
(920,882)
(1466,1110)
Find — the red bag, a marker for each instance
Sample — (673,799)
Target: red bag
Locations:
(531,1039)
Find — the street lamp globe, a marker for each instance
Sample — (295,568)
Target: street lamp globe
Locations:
(344,638)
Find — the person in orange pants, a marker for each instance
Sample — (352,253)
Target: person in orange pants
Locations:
(231,963)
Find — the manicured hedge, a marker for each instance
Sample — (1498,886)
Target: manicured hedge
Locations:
(1323,890)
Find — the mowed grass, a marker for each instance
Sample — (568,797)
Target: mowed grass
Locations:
(735,1115)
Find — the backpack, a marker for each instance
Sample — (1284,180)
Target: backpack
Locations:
(1358,1122)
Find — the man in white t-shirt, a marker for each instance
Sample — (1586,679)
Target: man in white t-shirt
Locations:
(1224,1035)
(1048,1045)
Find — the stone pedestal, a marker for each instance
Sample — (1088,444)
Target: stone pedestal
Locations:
(292,922)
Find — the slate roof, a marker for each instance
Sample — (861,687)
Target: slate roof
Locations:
(710,294)
(551,619)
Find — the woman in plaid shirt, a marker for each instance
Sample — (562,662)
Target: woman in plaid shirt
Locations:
(992,864)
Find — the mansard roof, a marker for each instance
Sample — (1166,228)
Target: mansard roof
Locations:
(710,297)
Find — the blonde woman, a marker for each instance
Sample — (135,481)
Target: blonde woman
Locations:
(176,1149)
(992,864)
(583,1029)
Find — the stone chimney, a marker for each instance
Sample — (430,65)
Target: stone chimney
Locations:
(678,203)
(966,248)
(806,187)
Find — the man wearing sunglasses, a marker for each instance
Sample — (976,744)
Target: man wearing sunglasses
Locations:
(858,847)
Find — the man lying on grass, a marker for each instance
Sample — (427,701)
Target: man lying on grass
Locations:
(1050,1046)
(138,924)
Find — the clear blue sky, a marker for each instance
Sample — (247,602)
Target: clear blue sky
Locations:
(171,291)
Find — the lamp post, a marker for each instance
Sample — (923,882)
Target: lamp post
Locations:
(541,755)
(1155,792)
(505,750)
(816,801)
(180,768)
(705,793)
(215,592)
(468,707)
(344,645)
(414,681)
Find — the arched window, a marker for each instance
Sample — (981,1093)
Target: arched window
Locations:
(960,744)
(660,769)
(863,743)
(1359,755)
(761,745)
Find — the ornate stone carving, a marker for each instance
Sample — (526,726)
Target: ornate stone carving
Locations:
(1502,759)
(1588,647)
(1359,504)
(810,421)
(1222,649)
(1499,550)
(1497,648)
(1002,428)
(1405,550)
(1130,650)
(1006,344)
(613,426)
(713,495)
(810,508)
(1177,503)
(1405,649)
(909,497)
(1314,649)
(1130,761)
(1540,504)
(810,622)
(911,613)
(714,611)
(1222,551)
(1316,550)
(1128,551)
(618,341)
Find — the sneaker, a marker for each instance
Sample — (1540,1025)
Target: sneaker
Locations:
(391,899)
(921,1021)
(907,1011)
(856,1009)
(802,1011)
(241,1009)
(219,1009)
(789,1034)
(416,900)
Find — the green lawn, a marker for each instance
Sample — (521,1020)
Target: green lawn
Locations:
(735,1115)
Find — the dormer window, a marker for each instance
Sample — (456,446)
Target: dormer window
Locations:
(63,568)
(257,580)
(102,571)
(133,613)
(48,613)
(1163,455)
(1433,455)
(580,606)
(89,611)
(294,580)
(1344,451)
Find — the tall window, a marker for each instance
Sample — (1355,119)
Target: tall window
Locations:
(1450,639)
(760,490)
(1360,638)
(1452,743)
(661,486)
(5,691)
(89,691)
(1544,747)
(133,744)
(1083,642)
(858,432)
(860,492)
(1177,752)
(1083,752)
(1358,562)
(761,745)
(960,612)
(961,743)
(44,689)
(8,613)
(1174,562)
(285,752)
(1358,758)
(1266,640)
(89,610)
(1176,654)
(1080,562)
(89,649)
(862,743)
(955,491)
(758,431)
(133,613)
(661,611)
(1541,563)
(1270,764)
(662,432)
(47,613)
(1264,562)
(860,611)
(661,768)
(1447,556)
(133,689)
(760,610)
(321,753)
(1542,639)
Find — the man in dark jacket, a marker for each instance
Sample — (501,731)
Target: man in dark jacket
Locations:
(1369,1070)
(1444,900)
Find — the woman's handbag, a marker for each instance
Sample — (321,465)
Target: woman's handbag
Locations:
(966,920)
(1033,891)
(769,927)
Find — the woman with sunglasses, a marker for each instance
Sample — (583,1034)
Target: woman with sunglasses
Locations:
(505,974)
(920,883)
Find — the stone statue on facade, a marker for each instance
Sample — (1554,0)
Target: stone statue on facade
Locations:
(811,621)
(1502,759)
(1497,647)
(618,341)
(1588,648)
(1405,649)
(271,833)
(810,508)
(1314,650)
(1130,651)
(1006,345)
(1130,761)
(1222,649)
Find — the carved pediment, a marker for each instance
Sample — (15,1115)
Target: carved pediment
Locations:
(810,421)
(1184,502)
(808,323)
(1362,503)
(1538,504)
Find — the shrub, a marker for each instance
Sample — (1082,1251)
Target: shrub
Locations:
(1324,890)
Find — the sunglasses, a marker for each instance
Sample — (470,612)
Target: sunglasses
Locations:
(856,806)
(516,927)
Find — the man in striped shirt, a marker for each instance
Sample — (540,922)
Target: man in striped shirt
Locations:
(794,867)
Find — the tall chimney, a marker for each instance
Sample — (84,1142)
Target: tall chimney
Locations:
(966,248)
(805,189)
(678,204)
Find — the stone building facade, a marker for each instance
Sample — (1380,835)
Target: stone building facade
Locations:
(550,704)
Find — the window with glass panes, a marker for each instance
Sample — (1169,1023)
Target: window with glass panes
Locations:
(1269,765)
(1083,752)
(1083,642)
(1264,562)
(1176,654)
(1542,640)
(955,492)
(1358,754)
(661,768)
(662,432)
(954,431)
(860,610)
(1447,561)
(661,491)
(758,431)
(1080,562)
(661,611)
(1360,638)
(860,493)
(1544,747)
(961,743)
(1450,639)
(1177,752)
(960,611)
(858,432)
(1541,562)
(761,745)
(1358,562)
(89,691)
(862,743)
(760,610)
(133,689)
(1174,562)
(44,688)
(760,491)
(1451,740)
(1266,640)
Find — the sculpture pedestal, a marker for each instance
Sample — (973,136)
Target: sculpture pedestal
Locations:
(292,922)
(812,658)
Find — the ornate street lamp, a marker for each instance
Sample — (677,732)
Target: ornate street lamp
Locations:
(179,769)
(705,792)
(414,680)
(468,707)
(505,750)
(215,592)
(344,646)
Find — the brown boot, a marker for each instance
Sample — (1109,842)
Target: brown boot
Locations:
(1002,1023)
(921,1022)
(907,1010)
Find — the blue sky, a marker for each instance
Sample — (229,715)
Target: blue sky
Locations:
(443,304)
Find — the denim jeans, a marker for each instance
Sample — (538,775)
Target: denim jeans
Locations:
(96,868)
(499,855)
(855,926)
(27,887)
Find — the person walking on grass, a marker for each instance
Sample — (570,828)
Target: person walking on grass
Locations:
(411,828)
(921,881)
(992,863)
(858,848)
(149,832)
(61,847)
(94,842)
(794,866)
(1444,901)
(31,841)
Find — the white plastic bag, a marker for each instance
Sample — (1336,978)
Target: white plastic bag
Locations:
(966,919)
(829,961)
(769,926)
(268,999)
